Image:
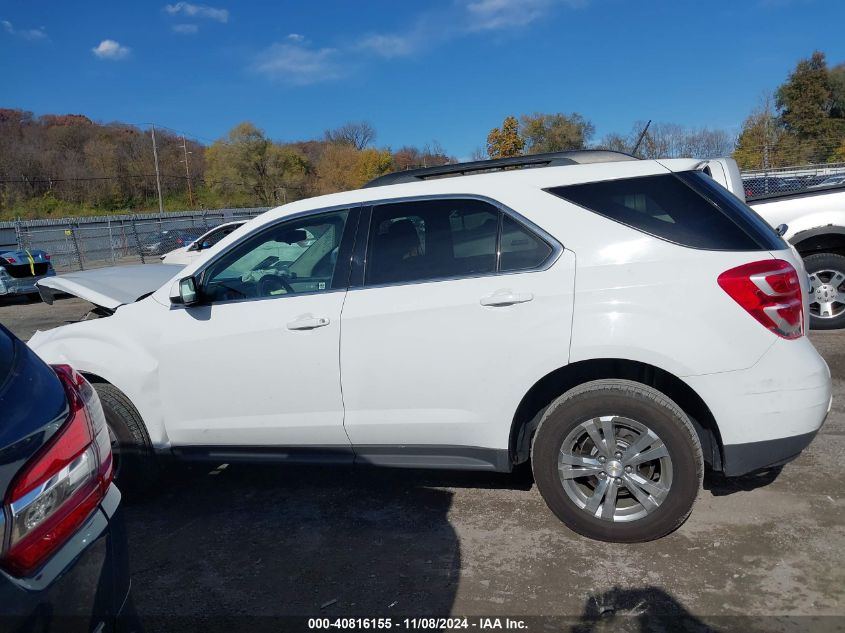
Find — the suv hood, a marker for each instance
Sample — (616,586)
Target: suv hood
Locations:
(110,287)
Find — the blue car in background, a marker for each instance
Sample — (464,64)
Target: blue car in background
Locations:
(19,270)
(63,552)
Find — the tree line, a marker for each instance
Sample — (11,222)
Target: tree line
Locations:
(56,165)
(68,164)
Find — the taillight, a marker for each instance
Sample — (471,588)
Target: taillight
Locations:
(11,260)
(63,483)
(769,291)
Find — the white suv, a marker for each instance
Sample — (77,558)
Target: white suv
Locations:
(615,322)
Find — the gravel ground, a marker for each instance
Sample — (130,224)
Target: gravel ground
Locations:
(758,553)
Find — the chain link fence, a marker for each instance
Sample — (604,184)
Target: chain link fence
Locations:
(94,242)
(760,183)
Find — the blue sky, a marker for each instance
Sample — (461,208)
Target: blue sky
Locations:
(418,71)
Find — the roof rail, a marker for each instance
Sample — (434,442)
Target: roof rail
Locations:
(552,159)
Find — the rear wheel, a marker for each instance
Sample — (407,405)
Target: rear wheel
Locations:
(827,290)
(136,468)
(616,460)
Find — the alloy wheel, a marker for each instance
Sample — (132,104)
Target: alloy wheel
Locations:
(615,468)
(827,297)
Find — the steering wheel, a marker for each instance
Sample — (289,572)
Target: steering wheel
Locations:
(269,284)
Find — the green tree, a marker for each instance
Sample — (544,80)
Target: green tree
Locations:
(555,132)
(505,141)
(805,102)
(837,91)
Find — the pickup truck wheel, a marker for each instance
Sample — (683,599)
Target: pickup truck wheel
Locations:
(617,461)
(136,468)
(827,290)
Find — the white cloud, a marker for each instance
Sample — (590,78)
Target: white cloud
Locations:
(463,18)
(26,34)
(484,15)
(298,64)
(296,61)
(388,45)
(197,11)
(111,49)
(185,29)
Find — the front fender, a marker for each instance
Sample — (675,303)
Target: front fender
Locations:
(102,347)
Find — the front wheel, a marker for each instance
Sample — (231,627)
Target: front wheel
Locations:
(136,467)
(617,461)
(827,290)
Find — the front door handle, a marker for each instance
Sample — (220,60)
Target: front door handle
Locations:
(308,322)
(506,298)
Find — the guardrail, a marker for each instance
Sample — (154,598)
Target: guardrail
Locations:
(95,241)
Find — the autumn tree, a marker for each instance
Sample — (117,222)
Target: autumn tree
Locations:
(555,132)
(342,167)
(505,141)
(246,160)
(411,157)
(358,134)
(372,163)
(616,142)
(761,142)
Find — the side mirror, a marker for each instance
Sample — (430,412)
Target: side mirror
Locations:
(184,292)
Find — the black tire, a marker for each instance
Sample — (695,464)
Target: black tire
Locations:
(823,262)
(136,468)
(640,403)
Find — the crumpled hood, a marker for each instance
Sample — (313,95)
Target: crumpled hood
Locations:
(109,287)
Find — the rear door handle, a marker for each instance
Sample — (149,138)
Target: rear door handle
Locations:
(308,322)
(506,298)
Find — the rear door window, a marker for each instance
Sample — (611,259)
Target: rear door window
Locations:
(433,239)
(686,208)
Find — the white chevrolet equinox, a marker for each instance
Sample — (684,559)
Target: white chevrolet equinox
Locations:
(620,324)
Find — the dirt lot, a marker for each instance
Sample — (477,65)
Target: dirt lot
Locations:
(328,542)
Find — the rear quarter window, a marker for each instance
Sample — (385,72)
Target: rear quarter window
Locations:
(686,208)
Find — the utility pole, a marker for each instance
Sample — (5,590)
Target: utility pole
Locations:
(188,173)
(158,178)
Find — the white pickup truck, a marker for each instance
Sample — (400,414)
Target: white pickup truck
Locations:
(813,221)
